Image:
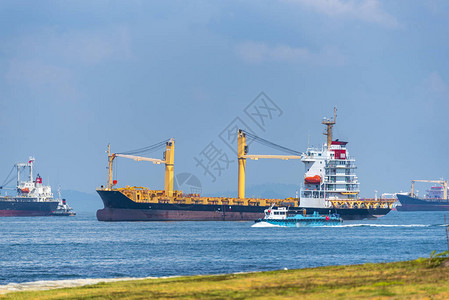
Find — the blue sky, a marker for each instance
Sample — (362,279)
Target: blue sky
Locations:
(77,75)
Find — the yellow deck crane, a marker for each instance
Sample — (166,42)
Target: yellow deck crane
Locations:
(169,158)
(442,182)
(242,150)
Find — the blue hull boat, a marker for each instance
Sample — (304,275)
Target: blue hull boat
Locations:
(281,216)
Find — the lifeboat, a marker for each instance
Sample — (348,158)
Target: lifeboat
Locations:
(313,179)
(25,190)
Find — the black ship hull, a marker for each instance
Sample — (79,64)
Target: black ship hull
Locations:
(118,207)
(415,204)
(24,208)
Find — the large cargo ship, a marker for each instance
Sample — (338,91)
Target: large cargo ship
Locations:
(32,197)
(436,198)
(330,185)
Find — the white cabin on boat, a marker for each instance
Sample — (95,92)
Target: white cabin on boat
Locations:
(279,213)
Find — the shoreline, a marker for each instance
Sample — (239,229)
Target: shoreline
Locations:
(421,278)
(43,285)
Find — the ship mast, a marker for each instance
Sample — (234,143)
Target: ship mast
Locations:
(110,170)
(23,165)
(329,124)
(30,164)
(18,165)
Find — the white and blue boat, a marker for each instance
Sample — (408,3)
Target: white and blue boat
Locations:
(283,217)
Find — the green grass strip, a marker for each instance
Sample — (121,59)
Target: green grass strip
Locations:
(418,279)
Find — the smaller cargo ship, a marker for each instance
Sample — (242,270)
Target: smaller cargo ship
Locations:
(283,217)
(435,199)
(32,197)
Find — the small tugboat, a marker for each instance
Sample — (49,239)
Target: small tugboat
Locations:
(63,208)
(281,216)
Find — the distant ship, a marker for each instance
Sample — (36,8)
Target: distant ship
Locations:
(329,184)
(434,200)
(32,197)
(63,208)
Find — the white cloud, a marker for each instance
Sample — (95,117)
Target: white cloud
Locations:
(95,47)
(432,94)
(40,76)
(365,10)
(47,60)
(256,52)
(435,84)
(35,73)
(86,47)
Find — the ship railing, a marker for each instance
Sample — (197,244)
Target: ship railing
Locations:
(334,174)
(344,181)
(348,158)
(345,166)
(361,203)
(436,200)
(142,195)
(341,185)
(20,199)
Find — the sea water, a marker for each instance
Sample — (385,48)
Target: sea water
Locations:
(61,248)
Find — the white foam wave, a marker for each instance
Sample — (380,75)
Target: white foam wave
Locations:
(57,284)
(383,225)
(264,224)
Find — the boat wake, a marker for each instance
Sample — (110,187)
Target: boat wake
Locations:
(264,224)
(386,225)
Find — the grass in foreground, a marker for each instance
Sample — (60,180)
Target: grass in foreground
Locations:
(422,278)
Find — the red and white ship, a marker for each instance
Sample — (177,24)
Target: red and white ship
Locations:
(32,198)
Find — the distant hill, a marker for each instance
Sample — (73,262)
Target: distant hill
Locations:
(82,202)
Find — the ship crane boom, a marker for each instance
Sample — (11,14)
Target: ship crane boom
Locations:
(242,150)
(140,158)
(169,157)
(283,157)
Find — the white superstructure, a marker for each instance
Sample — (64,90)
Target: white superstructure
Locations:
(329,173)
(279,213)
(31,190)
